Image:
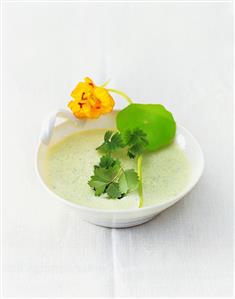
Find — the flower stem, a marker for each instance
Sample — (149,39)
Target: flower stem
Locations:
(140,189)
(121,94)
(105,83)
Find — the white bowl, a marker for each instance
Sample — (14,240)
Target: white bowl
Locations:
(117,218)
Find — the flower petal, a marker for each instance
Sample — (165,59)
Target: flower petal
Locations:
(90,101)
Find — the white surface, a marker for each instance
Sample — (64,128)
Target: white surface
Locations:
(177,54)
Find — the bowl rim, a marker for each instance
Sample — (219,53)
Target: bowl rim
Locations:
(168,202)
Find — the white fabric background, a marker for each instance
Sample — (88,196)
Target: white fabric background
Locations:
(177,54)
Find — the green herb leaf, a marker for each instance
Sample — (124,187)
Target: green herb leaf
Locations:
(137,142)
(107,161)
(153,119)
(112,142)
(107,135)
(135,136)
(97,185)
(113,191)
(106,175)
(110,178)
(128,181)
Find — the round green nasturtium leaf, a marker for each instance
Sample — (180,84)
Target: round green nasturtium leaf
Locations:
(153,119)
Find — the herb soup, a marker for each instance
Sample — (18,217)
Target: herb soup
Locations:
(70,163)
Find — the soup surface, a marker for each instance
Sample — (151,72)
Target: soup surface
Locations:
(69,165)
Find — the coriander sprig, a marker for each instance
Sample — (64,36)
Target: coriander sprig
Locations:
(112,142)
(110,178)
(135,141)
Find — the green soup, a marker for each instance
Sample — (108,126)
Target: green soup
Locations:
(69,165)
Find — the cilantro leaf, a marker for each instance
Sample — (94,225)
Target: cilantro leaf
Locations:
(134,136)
(112,142)
(110,178)
(113,191)
(97,185)
(107,161)
(116,141)
(136,141)
(107,135)
(105,174)
(135,150)
(128,181)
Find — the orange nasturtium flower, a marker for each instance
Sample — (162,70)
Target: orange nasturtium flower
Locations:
(89,100)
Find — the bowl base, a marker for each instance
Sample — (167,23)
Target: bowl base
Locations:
(122,224)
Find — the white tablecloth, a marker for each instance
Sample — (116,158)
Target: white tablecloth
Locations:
(177,54)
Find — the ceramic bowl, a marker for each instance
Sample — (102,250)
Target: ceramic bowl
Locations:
(52,133)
